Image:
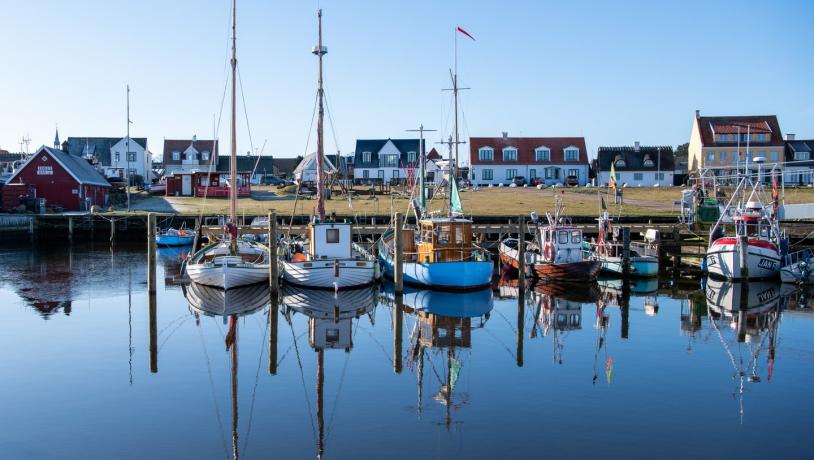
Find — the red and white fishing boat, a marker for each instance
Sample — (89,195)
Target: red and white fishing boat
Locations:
(752,249)
(562,256)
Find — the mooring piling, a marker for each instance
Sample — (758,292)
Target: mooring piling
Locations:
(398,260)
(273,313)
(625,231)
(151,292)
(274,277)
(398,316)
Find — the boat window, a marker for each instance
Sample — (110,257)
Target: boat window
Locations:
(459,235)
(426,234)
(332,235)
(576,236)
(332,335)
(563,237)
(443,234)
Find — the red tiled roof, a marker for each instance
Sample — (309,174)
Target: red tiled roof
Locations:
(525,148)
(730,125)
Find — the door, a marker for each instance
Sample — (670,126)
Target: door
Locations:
(186,185)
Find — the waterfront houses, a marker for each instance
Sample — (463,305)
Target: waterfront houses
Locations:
(719,143)
(549,160)
(799,161)
(261,167)
(56,179)
(306,171)
(636,165)
(114,157)
(188,155)
(384,160)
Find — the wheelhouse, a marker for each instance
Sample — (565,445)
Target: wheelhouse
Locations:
(443,240)
(330,240)
(561,244)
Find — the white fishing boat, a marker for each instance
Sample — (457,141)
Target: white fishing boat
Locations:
(231,261)
(643,257)
(328,259)
(797,268)
(753,250)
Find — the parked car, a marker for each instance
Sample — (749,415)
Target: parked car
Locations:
(572,181)
(538,181)
(272,180)
(519,181)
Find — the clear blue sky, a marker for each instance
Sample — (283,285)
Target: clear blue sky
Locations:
(614,72)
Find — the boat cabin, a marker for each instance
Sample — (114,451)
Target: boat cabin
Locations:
(441,240)
(325,333)
(330,240)
(752,223)
(561,244)
(560,315)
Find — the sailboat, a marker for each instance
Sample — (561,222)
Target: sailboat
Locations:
(329,259)
(439,252)
(230,261)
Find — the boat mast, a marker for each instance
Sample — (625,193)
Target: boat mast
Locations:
(423,160)
(320,402)
(231,345)
(320,51)
(233,155)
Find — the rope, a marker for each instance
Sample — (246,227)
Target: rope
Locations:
(245,114)
(254,390)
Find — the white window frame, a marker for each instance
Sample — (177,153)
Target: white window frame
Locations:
(801,156)
(573,172)
(532,174)
(487,174)
(131,157)
(722,155)
(410,157)
(176,155)
(365,174)
(366,157)
(648,163)
(637,176)
(620,163)
(710,156)
(511,173)
(511,152)
(542,154)
(569,150)
(205,155)
(486,154)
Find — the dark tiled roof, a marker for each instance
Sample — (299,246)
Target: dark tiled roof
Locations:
(634,161)
(800,146)
(179,145)
(374,145)
(98,146)
(525,149)
(433,154)
(729,125)
(6,156)
(246,163)
(285,165)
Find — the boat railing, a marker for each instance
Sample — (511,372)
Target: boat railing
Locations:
(361,250)
(796,257)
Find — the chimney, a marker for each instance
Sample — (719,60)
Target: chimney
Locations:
(636,146)
(697,114)
(789,136)
(505,135)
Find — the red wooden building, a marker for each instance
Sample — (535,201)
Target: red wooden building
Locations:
(211,184)
(59,178)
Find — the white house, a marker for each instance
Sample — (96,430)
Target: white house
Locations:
(636,166)
(551,160)
(384,160)
(110,155)
(306,171)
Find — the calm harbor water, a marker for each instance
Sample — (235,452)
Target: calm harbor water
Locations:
(653,368)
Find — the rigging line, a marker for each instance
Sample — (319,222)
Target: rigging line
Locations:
(212,388)
(254,390)
(171,323)
(386,354)
(508,350)
(311,128)
(331,121)
(160,347)
(336,399)
(245,111)
(302,379)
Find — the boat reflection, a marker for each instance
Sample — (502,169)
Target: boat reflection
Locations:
(230,305)
(746,317)
(558,311)
(442,331)
(330,326)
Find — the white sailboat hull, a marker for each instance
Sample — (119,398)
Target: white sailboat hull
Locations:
(213,266)
(331,273)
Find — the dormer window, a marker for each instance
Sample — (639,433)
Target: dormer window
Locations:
(205,155)
(619,162)
(761,137)
(176,155)
(486,154)
(542,154)
(190,156)
(365,157)
(510,154)
(648,162)
(571,154)
(410,157)
(801,156)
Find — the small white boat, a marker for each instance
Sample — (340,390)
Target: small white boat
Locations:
(217,302)
(175,237)
(219,266)
(608,251)
(797,268)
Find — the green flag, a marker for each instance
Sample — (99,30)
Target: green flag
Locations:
(455,199)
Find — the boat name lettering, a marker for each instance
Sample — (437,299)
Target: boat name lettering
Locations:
(768,264)
(766,295)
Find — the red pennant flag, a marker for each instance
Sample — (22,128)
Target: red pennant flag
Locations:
(466,33)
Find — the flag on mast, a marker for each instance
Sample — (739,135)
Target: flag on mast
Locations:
(612,179)
(466,33)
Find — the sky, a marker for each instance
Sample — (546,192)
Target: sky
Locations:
(614,72)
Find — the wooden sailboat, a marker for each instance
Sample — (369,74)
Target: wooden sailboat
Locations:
(329,259)
(231,262)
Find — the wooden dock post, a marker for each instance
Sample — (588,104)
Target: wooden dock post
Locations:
(273,313)
(151,293)
(624,309)
(151,253)
(625,250)
(112,229)
(521,303)
(743,250)
(398,315)
(521,256)
(274,276)
(398,260)
(677,250)
(70,229)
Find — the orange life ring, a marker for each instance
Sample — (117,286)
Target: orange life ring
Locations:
(298,257)
(548,251)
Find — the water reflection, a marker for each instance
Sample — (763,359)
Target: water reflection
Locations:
(330,327)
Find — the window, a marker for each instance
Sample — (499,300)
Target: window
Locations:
(710,156)
(542,154)
(410,157)
(774,156)
(131,156)
(381,174)
(576,236)
(511,173)
(648,163)
(638,176)
(205,155)
(332,235)
(510,154)
(744,137)
(659,176)
(176,155)
(571,154)
(563,237)
(487,174)
(620,163)
(459,236)
(395,174)
(552,173)
(532,174)
(365,174)
(365,157)
(190,156)
(801,156)
(722,138)
(573,173)
(443,234)
(761,137)
(389,161)
(116,157)
(486,154)
(131,172)
(722,156)
(204,181)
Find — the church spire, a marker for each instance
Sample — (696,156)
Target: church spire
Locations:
(57,145)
